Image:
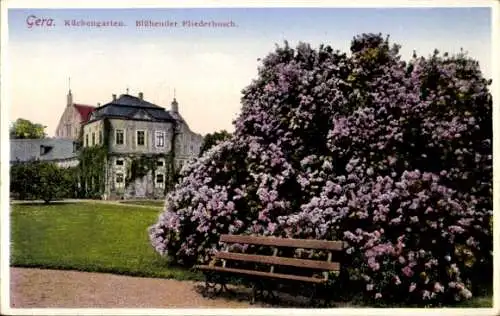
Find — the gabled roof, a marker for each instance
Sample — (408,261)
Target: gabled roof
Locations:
(84,111)
(46,149)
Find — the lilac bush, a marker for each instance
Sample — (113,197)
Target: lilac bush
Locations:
(392,157)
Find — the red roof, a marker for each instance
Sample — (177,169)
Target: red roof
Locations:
(84,111)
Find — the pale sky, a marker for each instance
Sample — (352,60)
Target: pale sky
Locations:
(208,67)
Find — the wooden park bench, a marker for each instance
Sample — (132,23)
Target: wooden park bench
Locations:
(272,265)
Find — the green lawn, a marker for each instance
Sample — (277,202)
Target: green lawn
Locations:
(155,203)
(89,237)
(478,302)
(101,238)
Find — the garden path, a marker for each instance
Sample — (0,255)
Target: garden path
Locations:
(37,288)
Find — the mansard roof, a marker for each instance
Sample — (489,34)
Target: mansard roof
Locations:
(127,100)
(133,108)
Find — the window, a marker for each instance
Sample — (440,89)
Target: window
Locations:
(160,180)
(119,137)
(140,138)
(100,137)
(68,130)
(159,163)
(119,162)
(86,140)
(93,139)
(160,139)
(119,180)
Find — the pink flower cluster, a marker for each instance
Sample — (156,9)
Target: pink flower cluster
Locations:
(392,157)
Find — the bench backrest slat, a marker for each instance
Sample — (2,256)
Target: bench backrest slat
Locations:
(301,263)
(284,242)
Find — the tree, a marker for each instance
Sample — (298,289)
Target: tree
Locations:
(213,139)
(25,129)
(54,183)
(392,157)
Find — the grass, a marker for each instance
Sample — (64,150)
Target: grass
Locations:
(155,203)
(478,302)
(98,237)
(89,237)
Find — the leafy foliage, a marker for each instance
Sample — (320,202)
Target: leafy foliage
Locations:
(213,139)
(25,129)
(140,166)
(41,180)
(91,171)
(392,157)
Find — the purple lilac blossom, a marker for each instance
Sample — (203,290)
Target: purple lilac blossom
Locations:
(393,157)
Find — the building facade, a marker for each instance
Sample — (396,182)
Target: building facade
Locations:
(132,128)
(72,119)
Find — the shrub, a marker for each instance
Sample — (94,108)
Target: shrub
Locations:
(22,175)
(392,157)
(41,180)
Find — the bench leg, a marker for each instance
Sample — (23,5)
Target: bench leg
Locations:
(257,291)
(214,285)
(262,290)
(254,294)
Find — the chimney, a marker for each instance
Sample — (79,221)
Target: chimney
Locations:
(114,97)
(175,106)
(141,95)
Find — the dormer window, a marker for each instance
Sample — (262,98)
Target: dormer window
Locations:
(45,150)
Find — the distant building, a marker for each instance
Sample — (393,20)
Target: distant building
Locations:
(135,128)
(73,118)
(60,151)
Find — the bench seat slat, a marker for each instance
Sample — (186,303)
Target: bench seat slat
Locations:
(262,274)
(294,262)
(283,242)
